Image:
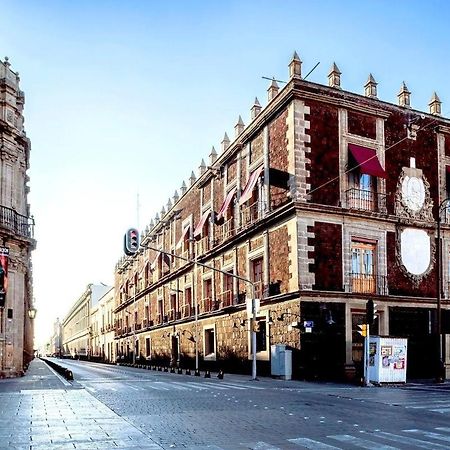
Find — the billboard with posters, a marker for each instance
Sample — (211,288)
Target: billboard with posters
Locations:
(4,256)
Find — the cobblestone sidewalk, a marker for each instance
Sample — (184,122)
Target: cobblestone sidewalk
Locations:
(65,418)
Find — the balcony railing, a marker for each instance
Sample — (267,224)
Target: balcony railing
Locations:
(251,214)
(368,283)
(226,231)
(209,305)
(226,298)
(203,245)
(187,311)
(366,200)
(18,224)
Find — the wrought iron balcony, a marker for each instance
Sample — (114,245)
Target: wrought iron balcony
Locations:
(368,283)
(17,223)
(251,214)
(365,200)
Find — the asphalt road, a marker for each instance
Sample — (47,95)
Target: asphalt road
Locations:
(182,411)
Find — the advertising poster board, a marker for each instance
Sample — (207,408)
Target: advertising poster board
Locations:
(387,359)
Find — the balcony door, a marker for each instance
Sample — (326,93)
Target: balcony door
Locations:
(363,267)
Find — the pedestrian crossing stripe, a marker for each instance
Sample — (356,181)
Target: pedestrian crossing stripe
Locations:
(313,444)
(362,443)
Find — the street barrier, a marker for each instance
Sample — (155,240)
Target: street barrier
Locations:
(64,371)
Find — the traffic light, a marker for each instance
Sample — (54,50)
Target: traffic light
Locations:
(131,241)
(370,312)
(363,330)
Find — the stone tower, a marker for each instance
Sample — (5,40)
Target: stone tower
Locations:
(16,230)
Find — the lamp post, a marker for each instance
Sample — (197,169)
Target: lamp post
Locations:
(443,206)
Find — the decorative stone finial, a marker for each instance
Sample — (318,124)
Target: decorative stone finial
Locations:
(212,156)
(404,96)
(175,197)
(192,178)
(295,66)
(183,188)
(370,88)
(256,108)
(7,64)
(169,205)
(156,218)
(225,142)
(239,127)
(334,77)
(273,90)
(163,212)
(435,105)
(152,224)
(202,167)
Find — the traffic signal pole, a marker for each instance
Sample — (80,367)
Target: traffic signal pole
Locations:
(366,356)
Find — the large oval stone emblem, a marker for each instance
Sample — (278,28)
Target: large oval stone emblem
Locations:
(415,250)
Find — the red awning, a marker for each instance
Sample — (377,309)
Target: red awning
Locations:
(199,228)
(247,193)
(367,160)
(183,236)
(226,203)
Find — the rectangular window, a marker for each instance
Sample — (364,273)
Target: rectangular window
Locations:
(261,337)
(148,349)
(209,343)
(257,275)
(363,273)
(207,295)
(10,313)
(160,310)
(228,291)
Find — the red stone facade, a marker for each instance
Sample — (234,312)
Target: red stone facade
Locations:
(317,257)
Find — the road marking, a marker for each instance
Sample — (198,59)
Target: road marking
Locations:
(362,443)
(312,444)
(429,434)
(210,385)
(412,441)
(441,410)
(178,385)
(90,389)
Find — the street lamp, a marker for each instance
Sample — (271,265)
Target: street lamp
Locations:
(443,206)
(32,312)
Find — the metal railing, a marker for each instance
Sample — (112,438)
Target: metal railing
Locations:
(203,245)
(226,231)
(17,223)
(368,283)
(365,200)
(209,305)
(251,214)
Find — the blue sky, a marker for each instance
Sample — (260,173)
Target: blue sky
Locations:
(127,97)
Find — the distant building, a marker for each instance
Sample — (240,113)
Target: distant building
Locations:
(102,324)
(55,347)
(77,326)
(16,230)
(326,199)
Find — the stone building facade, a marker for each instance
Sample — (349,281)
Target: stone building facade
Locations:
(102,324)
(78,325)
(16,230)
(326,199)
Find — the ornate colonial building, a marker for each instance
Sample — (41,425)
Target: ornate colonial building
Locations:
(16,230)
(80,323)
(324,200)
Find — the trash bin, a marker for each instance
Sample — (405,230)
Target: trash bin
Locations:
(281,361)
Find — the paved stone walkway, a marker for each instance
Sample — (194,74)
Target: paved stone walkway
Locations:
(42,412)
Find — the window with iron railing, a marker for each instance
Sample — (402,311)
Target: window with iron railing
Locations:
(363,277)
(251,214)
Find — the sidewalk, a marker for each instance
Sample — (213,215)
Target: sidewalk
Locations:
(41,411)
